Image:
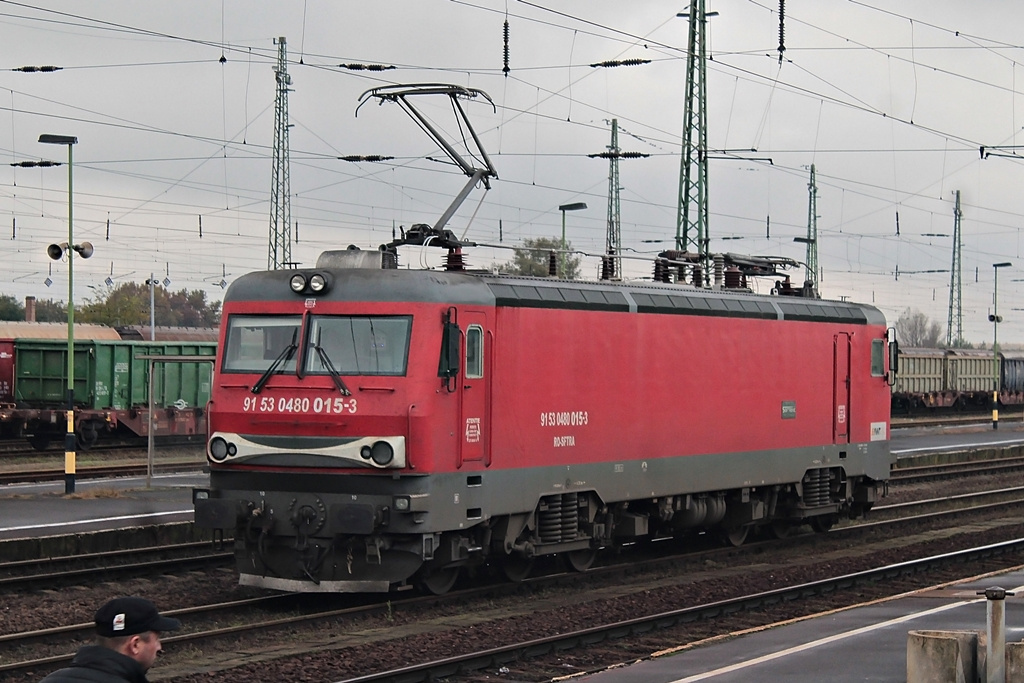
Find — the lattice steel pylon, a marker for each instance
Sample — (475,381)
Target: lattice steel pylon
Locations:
(956,313)
(692,214)
(613,243)
(280,252)
(812,232)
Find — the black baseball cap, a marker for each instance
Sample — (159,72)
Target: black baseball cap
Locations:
(129,616)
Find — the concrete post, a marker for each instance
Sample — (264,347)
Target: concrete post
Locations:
(995,649)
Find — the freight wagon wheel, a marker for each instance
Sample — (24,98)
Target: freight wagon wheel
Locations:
(581,560)
(438,581)
(87,437)
(40,442)
(516,567)
(735,536)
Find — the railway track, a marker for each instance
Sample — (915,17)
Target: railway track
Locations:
(19,448)
(52,572)
(515,652)
(96,472)
(255,617)
(937,472)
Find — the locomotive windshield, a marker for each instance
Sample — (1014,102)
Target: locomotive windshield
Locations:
(254,343)
(358,345)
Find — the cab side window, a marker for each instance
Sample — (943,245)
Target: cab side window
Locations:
(877,357)
(474,352)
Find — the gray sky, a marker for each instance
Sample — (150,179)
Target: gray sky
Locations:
(890,101)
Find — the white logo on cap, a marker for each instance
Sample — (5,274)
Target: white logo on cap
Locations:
(119,622)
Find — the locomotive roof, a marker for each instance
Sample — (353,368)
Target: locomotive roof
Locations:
(487,289)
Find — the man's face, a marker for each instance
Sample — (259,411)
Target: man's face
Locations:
(144,648)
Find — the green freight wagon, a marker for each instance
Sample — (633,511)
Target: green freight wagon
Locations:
(111,390)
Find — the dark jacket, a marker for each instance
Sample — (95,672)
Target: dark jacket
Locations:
(98,664)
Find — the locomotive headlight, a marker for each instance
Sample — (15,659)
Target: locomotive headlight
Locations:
(297,283)
(317,283)
(401,503)
(218,448)
(382,453)
(365,452)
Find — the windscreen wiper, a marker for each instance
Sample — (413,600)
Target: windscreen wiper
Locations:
(335,375)
(283,357)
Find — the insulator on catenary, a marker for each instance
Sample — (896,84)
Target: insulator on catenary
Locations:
(619,155)
(782,28)
(366,67)
(34,164)
(621,62)
(38,69)
(369,157)
(505,31)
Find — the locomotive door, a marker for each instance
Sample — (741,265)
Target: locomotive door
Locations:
(473,390)
(841,389)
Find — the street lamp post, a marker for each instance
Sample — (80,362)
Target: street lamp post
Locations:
(575,206)
(56,251)
(996,319)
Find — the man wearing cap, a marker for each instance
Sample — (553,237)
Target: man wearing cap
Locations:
(127,642)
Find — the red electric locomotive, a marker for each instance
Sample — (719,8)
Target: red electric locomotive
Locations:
(373,426)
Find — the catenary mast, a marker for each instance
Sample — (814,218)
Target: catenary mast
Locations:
(613,244)
(280,252)
(956,313)
(692,214)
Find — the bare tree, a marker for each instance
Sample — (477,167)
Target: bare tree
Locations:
(913,329)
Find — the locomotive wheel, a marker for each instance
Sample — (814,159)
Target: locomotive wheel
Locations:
(581,560)
(735,536)
(823,523)
(516,567)
(782,529)
(438,581)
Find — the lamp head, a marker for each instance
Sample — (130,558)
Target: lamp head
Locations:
(48,139)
